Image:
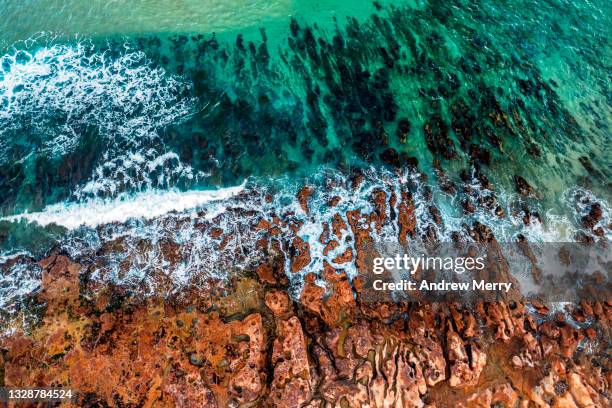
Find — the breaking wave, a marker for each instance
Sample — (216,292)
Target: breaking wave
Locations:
(144,205)
(110,103)
(189,238)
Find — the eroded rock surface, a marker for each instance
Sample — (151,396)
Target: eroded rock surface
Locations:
(274,351)
(252,341)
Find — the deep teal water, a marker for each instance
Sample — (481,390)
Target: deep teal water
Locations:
(489,88)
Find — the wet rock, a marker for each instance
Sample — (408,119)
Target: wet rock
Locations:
(357,178)
(303,196)
(480,155)
(437,138)
(338,226)
(522,187)
(468,207)
(379,198)
(588,166)
(300,254)
(330,246)
(435,214)
(584,238)
(250,341)
(391,157)
(445,183)
(530,217)
(403,129)
(593,217)
(360,227)
(406,217)
(346,256)
(334,201)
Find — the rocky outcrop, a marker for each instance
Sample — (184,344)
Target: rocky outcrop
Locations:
(324,349)
(292,384)
(253,341)
(303,196)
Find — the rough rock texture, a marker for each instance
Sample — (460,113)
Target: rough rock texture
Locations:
(272,351)
(250,341)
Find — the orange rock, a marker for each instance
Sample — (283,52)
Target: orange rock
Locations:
(331,245)
(292,384)
(248,383)
(303,196)
(363,241)
(264,271)
(278,302)
(300,254)
(312,294)
(217,232)
(379,197)
(263,224)
(324,237)
(338,225)
(466,363)
(406,217)
(219,345)
(60,282)
(346,256)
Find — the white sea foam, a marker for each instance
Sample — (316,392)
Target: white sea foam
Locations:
(142,170)
(56,95)
(60,89)
(147,205)
(139,238)
(18,279)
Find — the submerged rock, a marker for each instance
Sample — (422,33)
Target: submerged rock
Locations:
(522,187)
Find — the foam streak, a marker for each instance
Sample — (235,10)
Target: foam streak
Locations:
(145,205)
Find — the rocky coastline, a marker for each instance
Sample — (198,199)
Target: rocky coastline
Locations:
(485,124)
(251,341)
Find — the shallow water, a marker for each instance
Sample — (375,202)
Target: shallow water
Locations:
(66,19)
(105,106)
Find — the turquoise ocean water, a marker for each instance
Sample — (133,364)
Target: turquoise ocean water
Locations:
(112,109)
